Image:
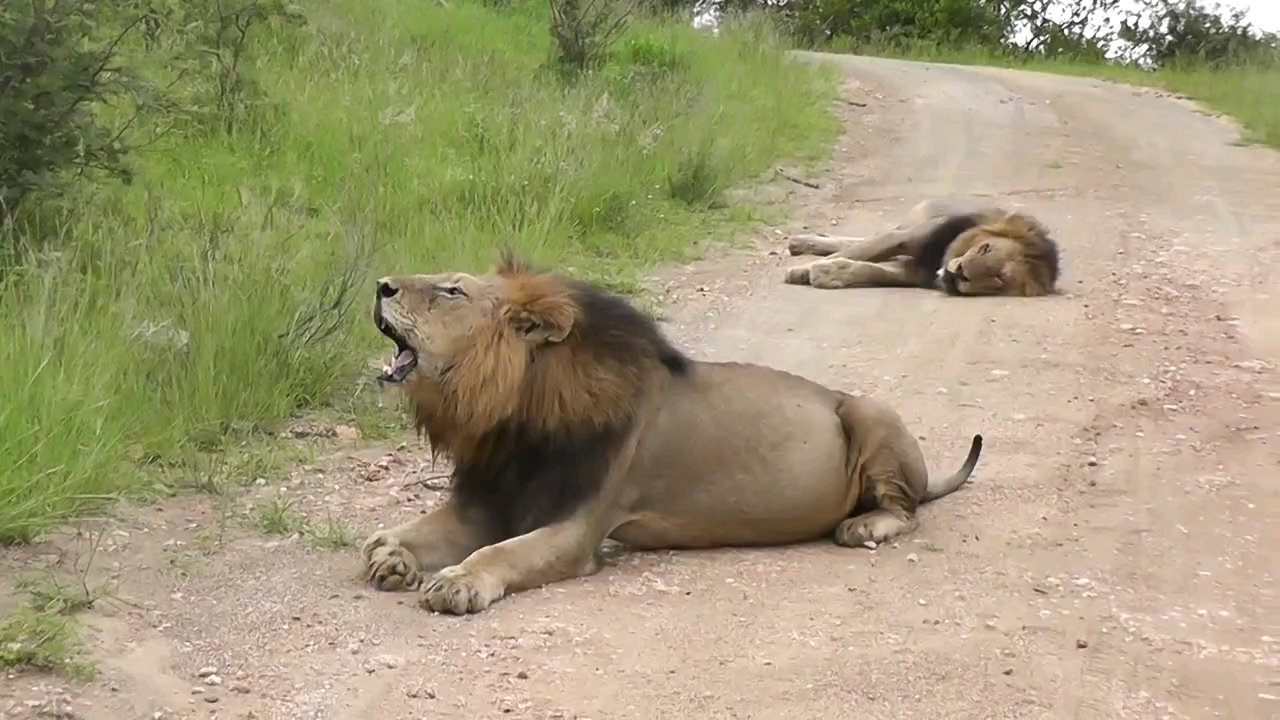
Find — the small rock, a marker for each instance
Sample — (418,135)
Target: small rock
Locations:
(211,699)
(207,670)
(912,558)
(212,680)
(1092,461)
(922,601)
(1008,671)
(346,432)
(239,687)
(522,675)
(1082,643)
(421,692)
(391,662)
(999,373)
(197,691)
(870,544)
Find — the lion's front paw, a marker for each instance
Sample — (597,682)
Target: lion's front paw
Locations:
(458,590)
(798,275)
(388,565)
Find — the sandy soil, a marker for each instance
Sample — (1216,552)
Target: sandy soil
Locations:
(1109,561)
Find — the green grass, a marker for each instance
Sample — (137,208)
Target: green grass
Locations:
(278,517)
(41,633)
(1248,92)
(227,287)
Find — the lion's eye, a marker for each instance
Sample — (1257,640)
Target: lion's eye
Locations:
(984,248)
(452,291)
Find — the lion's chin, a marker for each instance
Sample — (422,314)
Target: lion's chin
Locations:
(401,365)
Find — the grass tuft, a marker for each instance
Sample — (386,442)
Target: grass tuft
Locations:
(41,633)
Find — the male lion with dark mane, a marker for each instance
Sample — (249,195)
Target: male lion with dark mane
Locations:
(961,251)
(570,418)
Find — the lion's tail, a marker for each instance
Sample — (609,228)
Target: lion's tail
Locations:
(941,488)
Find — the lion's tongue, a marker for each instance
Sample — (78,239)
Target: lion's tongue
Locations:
(402,361)
(400,366)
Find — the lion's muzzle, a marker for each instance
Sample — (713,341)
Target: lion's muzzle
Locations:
(406,358)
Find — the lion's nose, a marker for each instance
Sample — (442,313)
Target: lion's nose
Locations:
(387,288)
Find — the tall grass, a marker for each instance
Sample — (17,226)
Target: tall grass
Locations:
(227,287)
(1247,90)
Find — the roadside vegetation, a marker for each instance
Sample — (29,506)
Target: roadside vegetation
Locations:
(195,197)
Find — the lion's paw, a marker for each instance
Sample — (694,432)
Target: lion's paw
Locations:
(388,565)
(459,591)
(377,540)
(872,528)
(798,275)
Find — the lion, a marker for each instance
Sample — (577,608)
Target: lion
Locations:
(570,419)
(961,251)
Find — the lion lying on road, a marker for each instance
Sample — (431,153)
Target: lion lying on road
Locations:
(570,418)
(984,251)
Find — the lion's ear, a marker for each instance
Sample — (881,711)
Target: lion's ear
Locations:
(540,329)
(540,307)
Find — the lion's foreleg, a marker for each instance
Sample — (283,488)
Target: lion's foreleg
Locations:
(396,558)
(837,273)
(549,554)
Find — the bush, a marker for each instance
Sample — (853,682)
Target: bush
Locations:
(584,30)
(53,79)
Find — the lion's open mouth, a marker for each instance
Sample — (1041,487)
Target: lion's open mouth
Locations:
(406,358)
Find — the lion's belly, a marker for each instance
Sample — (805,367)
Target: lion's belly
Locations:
(744,456)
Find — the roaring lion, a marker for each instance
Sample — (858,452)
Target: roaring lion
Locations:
(570,418)
(961,251)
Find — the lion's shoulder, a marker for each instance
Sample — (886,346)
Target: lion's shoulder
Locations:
(552,391)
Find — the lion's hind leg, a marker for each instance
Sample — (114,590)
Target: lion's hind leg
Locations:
(820,245)
(893,516)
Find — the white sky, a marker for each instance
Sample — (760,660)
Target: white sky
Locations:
(1264,14)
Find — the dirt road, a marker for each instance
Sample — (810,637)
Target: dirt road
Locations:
(1109,561)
